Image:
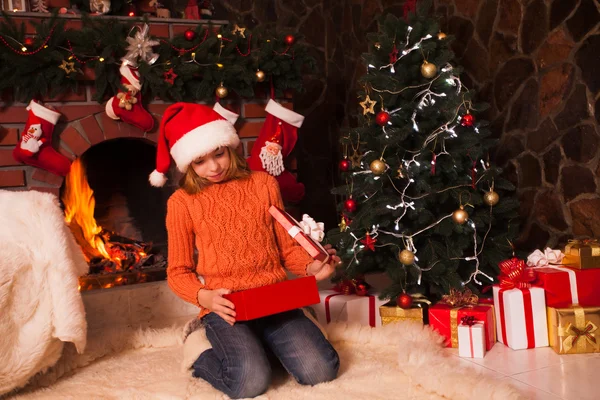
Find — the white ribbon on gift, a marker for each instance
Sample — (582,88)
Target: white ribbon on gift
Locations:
(316,230)
(546,259)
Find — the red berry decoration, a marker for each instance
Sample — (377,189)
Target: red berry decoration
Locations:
(404,301)
(382,118)
(350,205)
(344,165)
(467,120)
(28,41)
(189,35)
(362,289)
(289,40)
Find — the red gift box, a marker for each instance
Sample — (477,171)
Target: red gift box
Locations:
(565,287)
(313,248)
(445,319)
(273,299)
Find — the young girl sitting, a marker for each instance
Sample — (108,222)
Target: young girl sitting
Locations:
(221,210)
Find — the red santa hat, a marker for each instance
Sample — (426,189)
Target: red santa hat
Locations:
(189,131)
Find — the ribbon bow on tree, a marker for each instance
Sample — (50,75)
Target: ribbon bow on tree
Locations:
(140,46)
(515,274)
(456,298)
(469,320)
(576,333)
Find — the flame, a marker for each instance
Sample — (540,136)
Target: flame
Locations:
(79,202)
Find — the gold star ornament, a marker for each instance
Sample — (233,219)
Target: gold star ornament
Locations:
(68,67)
(368,105)
(355,159)
(237,29)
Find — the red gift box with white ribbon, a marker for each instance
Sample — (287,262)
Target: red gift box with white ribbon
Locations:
(292,226)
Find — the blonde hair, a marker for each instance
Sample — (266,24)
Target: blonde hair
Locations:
(238,169)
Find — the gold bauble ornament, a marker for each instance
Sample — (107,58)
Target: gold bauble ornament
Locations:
(491,198)
(428,70)
(407,257)
(377,167)
(377,45)
(441,36)
(221,91)
(260,76)
(460,216)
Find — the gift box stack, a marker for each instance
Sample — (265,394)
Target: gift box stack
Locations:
(572,300)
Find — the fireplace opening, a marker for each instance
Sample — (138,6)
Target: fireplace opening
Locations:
(117,218)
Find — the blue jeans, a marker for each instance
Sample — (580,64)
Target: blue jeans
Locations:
(238,364)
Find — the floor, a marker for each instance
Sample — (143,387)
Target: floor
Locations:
(541,373)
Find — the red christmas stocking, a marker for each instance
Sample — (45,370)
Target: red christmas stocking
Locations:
(127,106)
(275,142)
(35,147)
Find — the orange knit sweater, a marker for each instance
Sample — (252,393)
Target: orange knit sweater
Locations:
(240,246)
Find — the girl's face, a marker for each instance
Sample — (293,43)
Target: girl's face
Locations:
(213,166)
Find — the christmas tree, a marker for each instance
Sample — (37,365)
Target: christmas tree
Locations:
(421,200)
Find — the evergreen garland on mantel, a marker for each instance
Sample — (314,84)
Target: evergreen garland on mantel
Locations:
(190,67)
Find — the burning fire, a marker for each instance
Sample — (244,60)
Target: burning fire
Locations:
(79,202)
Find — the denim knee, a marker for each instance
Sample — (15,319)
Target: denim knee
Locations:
(319,370)
(249,379)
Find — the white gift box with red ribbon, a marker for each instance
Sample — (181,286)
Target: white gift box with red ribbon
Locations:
(471,340)
(521,317)
(338,307)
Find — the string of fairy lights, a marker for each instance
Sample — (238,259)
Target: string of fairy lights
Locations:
(425,97)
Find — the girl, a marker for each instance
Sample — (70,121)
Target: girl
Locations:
(221,209)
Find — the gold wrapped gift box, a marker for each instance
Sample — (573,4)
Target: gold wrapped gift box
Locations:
(390,312)
(582,254)
(574,330)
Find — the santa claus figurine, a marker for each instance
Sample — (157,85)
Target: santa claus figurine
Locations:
(274,144)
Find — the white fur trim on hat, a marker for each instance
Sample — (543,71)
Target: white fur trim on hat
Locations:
(289,116)
(44,113)
(157,179)
(202,140)
(225,113)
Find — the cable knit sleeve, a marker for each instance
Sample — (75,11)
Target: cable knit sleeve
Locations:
(181,272)
(295,259)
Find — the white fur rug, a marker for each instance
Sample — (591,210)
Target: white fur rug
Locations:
(397,361)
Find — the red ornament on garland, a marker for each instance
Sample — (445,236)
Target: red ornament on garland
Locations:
(404,301)
(362,289)
(169,76)
(350,205)
(344,165)
(382,118)
(28,41)
(467,120)
(289,40)
(369,242)
(189,35)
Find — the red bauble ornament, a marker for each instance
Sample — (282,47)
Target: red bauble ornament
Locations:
(28,41)
(382,118)
(189,35)
(289,40)
(350,205)
(404,300)
(362,289)
(467,120)
(369,242)
(344,165)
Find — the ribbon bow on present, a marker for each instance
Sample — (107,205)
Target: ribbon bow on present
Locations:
(468,320)
(515,274)
(576,333)
(456,298)
(316,230)
(575,244)
(355,286)
(538,259)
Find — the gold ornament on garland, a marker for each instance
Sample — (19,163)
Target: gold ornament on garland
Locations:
(368,105)
(491,198)
(377,167)
(428,70)
(240,30)
(406,257)
(260,75)
(343,225)
(441,36)
(356,158)
(460,216)
(68,67)
(221,91)
(377,45)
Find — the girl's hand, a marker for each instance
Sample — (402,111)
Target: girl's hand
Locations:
(322,271)
(215,302)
